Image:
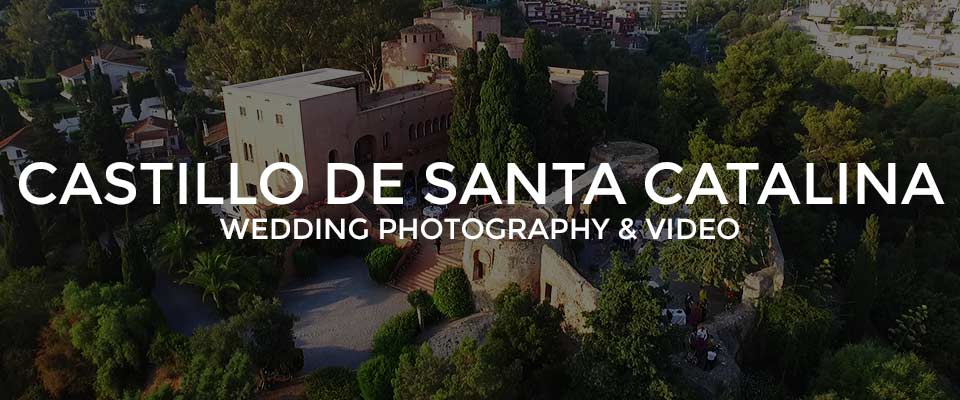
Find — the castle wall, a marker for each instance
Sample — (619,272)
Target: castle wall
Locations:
(568,290)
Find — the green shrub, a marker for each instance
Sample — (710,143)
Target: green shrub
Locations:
(420,299)
(36,89)
(374,377)
(396,334)
(168,348)
(452,294)
(869,370)
(381,262)
(305,261)
(332,383)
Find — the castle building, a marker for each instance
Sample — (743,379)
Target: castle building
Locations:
(312,118)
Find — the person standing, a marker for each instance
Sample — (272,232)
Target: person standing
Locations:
(437,243)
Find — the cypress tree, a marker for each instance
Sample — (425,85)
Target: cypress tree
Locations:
(520,149)
(587,119)
(134,96)
(863,278)
(21,234)
(498,111)
(463,132)
(490,46)
(10,119)
(537,94)
(135,265)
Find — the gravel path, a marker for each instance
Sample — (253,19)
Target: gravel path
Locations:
(339,309)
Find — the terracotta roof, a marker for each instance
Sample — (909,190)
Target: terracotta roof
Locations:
(463,9)
(18,138)
(420,28)
(149,129)
(447,49)
(216,133)
(116,53)
(75,70)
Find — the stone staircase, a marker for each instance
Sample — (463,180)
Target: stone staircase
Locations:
(428,266)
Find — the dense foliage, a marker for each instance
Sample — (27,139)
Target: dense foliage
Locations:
(381,262)
(452,293)
(871,371)
(332,383)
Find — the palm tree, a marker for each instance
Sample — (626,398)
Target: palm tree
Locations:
(213,272)
(177,245)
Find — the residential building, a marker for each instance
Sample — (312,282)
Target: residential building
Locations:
(15,147)
(928,50)
(217,139)
(85,9)
(152,139)
(114,61)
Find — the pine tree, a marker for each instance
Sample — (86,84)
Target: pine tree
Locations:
(464,131)
(537,95)
(498,111)
(21,235)
(10,119)
(863,278)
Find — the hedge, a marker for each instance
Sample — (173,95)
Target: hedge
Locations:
(381,262)
(332,383)
(421,299)
(374,378)
(396,334)
(305,261)
(452,294)
(37,89)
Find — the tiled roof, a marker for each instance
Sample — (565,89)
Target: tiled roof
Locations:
(75,70)
(116,53)
(18,138)
(216,133)
(463,9)
(149,129)
(420,28)
(447,49)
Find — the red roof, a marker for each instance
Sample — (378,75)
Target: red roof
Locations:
(151,128)
(18,138)
(76,70)
(216,133)
(115,53)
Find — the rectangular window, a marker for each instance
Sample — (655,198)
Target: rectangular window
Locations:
(279,119)
(259,115)
(246,152)
(243,111)
(251,190)
(548,293)
(19,153)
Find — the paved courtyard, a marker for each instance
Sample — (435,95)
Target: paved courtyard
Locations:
(339,309)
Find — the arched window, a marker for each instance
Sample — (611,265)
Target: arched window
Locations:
(333,156)
(428,128)
(436,125)
(420,129)
(411,133)
(386,140)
